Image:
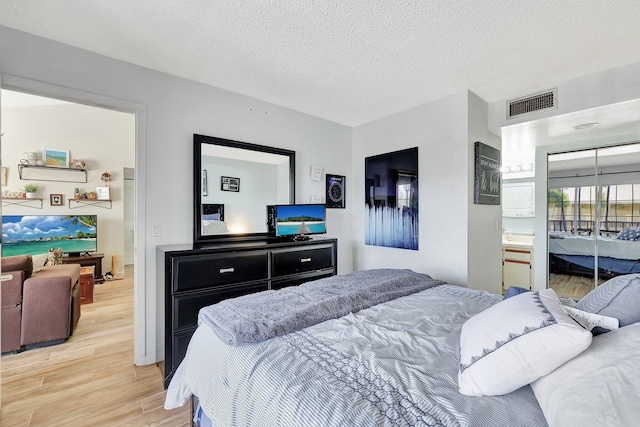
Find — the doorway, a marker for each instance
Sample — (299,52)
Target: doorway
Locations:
(88,149)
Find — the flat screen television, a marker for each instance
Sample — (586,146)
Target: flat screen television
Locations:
(297,222)
(36,234)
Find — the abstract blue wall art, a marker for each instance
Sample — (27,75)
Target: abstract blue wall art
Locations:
(391,199)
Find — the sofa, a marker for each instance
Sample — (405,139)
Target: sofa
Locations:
(40,308)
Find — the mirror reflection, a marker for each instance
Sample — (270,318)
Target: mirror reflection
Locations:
(237,182)
(594,215)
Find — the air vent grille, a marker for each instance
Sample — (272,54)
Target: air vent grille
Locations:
(532,104)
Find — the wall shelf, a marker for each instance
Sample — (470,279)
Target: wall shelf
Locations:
(45,173)
(29,203)
(75,204)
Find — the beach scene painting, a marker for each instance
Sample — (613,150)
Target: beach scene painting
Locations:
(56,158)
(36,234)
(300,220)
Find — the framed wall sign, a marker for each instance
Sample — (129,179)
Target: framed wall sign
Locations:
(103,193)
(486,190)
(228,183)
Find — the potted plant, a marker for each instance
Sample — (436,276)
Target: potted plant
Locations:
(30,190)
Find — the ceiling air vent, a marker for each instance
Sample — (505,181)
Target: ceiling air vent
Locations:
(532,103)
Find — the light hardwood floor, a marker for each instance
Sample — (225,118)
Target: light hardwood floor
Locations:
(89,380)
(571,286)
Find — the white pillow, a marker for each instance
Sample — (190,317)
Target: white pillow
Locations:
(600,387)
(515,342)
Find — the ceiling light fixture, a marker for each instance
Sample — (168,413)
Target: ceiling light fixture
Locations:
(586,126)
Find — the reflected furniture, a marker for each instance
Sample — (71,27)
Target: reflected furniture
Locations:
(195,278)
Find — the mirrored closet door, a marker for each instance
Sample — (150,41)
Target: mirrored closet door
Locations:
(593,217)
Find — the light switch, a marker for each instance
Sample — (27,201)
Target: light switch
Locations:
(156,229)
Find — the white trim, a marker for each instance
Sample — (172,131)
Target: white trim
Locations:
(140,355)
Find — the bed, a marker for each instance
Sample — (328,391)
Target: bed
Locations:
(574,254)
(397,362)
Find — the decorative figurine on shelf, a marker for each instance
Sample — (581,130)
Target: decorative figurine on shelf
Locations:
(91,195)
(76,194)
(76,164)
(54,257)
(106,177)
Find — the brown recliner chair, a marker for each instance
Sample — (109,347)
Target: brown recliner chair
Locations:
(20,268)
(50,305)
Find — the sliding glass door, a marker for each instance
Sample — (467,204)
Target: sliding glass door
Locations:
(593,217)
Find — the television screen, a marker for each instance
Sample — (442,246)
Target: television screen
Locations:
(297,220)
(36,234)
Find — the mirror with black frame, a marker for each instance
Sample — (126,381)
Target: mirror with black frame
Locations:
(234,182)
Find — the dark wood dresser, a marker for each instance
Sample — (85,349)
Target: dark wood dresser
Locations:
(195,278)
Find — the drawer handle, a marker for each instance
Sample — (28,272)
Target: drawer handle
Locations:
(227,270)
(305,259)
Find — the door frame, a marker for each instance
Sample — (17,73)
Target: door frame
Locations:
(140,355)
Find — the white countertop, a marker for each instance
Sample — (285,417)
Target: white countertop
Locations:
(518,241)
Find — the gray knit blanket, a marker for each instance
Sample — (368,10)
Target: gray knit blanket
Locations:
(257,317)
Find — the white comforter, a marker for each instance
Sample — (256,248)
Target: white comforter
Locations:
(392,364)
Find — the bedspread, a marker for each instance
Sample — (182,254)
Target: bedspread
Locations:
(585,245)
(393,364)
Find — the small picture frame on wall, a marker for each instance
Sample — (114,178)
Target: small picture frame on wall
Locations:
(228,183)
(55,158)
(103,193)
(335,191)
(56,199)
(205,184)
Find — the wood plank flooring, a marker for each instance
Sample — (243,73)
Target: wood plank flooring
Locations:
(89,380)
(571,286)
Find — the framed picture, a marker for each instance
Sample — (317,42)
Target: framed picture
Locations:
(103,193)
(204,182)
(56,200)
(486,190)
(228,183)
(316,172)
(335,191)
(391,200)
(55,158)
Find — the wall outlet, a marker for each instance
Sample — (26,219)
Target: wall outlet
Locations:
(317,199)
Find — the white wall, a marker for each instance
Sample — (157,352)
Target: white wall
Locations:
(485,229)
(452,230)
(174,109)
(103,139)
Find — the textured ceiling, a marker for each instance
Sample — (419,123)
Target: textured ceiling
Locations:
(349,61)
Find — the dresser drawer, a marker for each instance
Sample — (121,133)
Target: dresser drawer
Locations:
(292,261)
(186,307)
(201,271)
